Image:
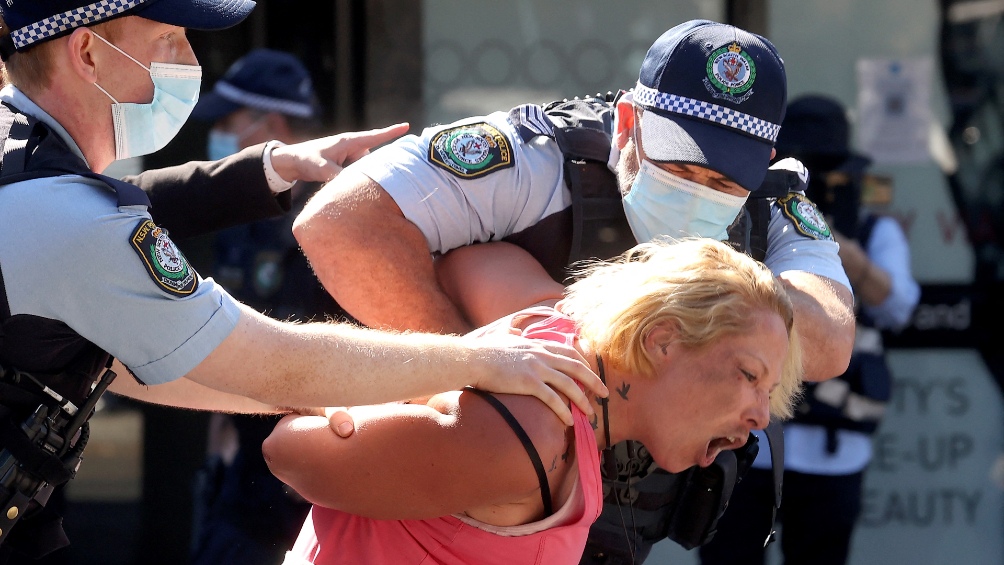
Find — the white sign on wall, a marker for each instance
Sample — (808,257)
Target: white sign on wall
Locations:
(930,496)
(894,106)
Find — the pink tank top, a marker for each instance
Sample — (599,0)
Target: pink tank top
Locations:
(332,537)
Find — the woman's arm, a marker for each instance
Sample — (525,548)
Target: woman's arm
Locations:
(489,280)
(409,461)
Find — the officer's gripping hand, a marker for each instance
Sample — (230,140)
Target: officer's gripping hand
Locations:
(512,364)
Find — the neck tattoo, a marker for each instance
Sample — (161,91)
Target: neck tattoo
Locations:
(608,459)
(603,402)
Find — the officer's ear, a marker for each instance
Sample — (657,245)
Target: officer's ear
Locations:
(624,117)
(81,56)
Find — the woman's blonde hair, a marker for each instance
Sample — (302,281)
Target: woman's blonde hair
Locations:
(703,287)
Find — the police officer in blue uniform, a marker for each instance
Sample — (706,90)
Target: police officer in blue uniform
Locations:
(684,153)
(89,276)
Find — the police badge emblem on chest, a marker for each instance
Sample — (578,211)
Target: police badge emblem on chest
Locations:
(164,262)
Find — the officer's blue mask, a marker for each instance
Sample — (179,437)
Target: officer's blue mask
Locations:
(661,203)
(141,129)
(222,143)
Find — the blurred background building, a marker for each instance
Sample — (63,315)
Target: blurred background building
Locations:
(925,82)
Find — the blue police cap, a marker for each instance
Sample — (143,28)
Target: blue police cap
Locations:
(714,95)
(34,21)
(264,79)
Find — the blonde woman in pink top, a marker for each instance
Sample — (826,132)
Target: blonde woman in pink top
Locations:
(695,338)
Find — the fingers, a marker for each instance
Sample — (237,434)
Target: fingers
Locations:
(359,143)
(569,360)
(548,396)
(340,421)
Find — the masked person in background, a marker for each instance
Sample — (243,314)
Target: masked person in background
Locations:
(243,513)
(828,443)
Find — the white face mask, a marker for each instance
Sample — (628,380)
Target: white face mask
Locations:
(661,203)
(141,129)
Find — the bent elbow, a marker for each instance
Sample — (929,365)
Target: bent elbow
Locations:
(272,452)
(839,354)
(312,226)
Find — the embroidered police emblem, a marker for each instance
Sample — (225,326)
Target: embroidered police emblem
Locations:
(805,216)
(164,262)
(471,151)
(731,74)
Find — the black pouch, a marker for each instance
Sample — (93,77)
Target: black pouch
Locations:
(855,400)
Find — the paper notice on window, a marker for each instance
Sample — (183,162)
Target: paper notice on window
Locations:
(894,109)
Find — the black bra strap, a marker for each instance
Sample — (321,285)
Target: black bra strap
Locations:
(545,490)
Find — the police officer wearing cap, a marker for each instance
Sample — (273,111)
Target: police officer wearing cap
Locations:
(243,513)
(89,276)
(684,153)
(828,443)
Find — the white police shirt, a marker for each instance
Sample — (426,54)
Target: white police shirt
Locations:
(498,185)
(67,253)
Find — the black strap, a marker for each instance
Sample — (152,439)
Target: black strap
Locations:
(538,465)
(31,150)
(865,231)
(775,437)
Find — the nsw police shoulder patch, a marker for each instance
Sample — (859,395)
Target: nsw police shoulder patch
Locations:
(805,216)
(163,260)
(471,151)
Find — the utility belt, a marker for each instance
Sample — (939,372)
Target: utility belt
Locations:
(857,399)
(40,449)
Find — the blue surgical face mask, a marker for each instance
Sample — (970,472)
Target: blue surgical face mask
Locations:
(661,203)
(222,144)
(141,129)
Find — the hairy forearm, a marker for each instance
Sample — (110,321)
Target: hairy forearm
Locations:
(185,393)
(334,364)
(824,317)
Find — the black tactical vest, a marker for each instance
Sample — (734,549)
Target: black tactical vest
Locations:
(50,376)
(641,501)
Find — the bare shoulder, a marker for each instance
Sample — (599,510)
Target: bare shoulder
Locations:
(551,440)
